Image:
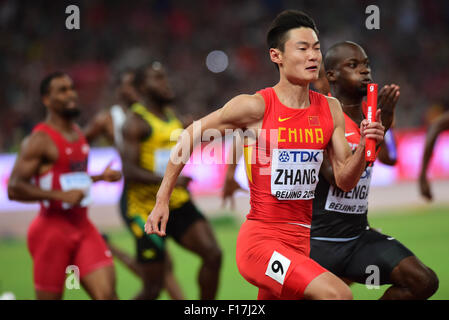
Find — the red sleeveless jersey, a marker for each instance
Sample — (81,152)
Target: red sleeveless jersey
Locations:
(352,132)
(352,129)
(283,165)
(68,172)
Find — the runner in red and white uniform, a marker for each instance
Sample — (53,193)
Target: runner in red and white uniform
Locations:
(342,240)
(52,168)
(288,127)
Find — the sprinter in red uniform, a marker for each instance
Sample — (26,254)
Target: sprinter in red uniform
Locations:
(52,168)
(287,129)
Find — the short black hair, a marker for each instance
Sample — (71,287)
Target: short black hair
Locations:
(332,58)
(44,87)
(285,21)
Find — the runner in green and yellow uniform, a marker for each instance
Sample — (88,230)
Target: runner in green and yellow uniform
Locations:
(150,131)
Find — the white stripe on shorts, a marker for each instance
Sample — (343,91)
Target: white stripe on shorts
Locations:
(300,224)
(335,239)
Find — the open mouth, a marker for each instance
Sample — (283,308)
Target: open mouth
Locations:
(312,68)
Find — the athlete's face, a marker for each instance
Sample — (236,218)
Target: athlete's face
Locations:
(352,72)
(126,91)
(62,97)
(301,58)
(157,84)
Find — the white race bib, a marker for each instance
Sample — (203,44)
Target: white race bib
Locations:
(161,158)
(354,201)
(294,173)
(76,180)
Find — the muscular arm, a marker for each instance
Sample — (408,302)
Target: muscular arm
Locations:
(239,112)
(384,156)
(35,152)
(134,130)
(433,132)
(348,167)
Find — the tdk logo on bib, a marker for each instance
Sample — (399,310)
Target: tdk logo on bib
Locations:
(299,156)
(284,157)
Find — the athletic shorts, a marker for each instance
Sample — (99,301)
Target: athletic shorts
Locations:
(357,259)
(56,243)
(151,248)
(275,258)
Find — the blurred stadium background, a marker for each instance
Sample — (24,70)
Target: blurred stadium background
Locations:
(214,50)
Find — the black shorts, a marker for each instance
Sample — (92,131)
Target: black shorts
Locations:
(151,248)
(351,259)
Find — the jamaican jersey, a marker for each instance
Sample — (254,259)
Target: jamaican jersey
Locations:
(154,156)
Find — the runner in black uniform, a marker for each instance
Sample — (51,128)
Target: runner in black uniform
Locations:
(341,239)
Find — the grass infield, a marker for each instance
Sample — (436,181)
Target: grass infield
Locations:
(425,231)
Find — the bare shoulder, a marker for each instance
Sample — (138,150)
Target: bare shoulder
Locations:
(257,104)
(37,144)
(334,104)
(336,110)
(244,109)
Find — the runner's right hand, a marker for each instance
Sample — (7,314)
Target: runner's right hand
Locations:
(72,197)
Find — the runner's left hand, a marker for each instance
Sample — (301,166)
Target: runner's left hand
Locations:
(111,175)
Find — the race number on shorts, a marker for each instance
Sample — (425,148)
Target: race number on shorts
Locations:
(277,267)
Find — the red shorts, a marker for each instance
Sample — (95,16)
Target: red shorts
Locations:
(56,243)
(275,258)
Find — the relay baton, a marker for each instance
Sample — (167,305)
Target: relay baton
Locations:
(371,99)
